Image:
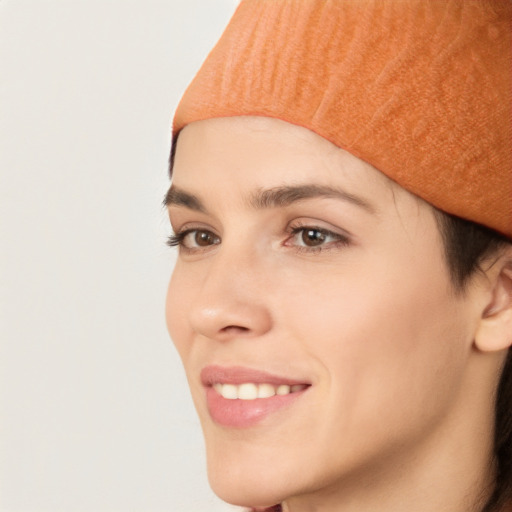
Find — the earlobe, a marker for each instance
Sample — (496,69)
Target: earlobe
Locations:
(495,328)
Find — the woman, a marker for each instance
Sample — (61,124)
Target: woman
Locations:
(342,299)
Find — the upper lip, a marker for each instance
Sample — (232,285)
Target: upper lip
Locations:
(239,375)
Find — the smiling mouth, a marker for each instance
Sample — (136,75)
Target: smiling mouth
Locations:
(252,391)
(239,397)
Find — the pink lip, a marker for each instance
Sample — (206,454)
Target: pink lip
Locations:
(244,413)
(238,375)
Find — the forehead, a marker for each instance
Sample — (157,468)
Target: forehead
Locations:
(260,151)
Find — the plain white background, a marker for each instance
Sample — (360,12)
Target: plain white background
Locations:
(95,413)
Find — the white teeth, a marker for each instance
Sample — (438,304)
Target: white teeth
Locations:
(284,389)
(248,391)
(266,391)
(229,391)
(251,391)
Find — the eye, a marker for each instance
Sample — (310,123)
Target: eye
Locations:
(315,238)
(193,239)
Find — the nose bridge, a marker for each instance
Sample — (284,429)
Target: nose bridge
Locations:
(230,300)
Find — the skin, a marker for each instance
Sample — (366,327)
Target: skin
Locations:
(398,416)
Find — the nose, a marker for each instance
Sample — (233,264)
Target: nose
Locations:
(231,301)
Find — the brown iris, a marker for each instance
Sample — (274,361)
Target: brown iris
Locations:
(313,237)
(205,238)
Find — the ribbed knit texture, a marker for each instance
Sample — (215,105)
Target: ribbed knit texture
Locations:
(420,89)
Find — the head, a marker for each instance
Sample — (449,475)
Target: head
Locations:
(325,275)
(303,261)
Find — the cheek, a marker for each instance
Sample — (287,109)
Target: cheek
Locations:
(383,340)
(179,298)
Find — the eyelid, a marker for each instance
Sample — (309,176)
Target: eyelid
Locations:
(183,227)
(312,223)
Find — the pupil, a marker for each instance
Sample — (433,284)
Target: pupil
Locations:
(313,237)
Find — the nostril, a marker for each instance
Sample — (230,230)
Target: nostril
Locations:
(234,328)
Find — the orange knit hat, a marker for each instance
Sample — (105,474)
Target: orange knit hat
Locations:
(420,89)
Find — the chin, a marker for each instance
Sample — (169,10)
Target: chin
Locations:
(248,481)
(246,492)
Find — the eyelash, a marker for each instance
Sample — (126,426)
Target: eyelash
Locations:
(178,239)
(339,240)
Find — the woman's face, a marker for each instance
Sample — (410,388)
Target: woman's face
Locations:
(304,275)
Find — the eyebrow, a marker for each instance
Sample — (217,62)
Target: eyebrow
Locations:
(274,197)
(177,197)
(287,195)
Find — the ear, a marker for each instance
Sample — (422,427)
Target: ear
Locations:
(494,332)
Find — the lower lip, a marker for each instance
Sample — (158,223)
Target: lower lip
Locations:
(239,413)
